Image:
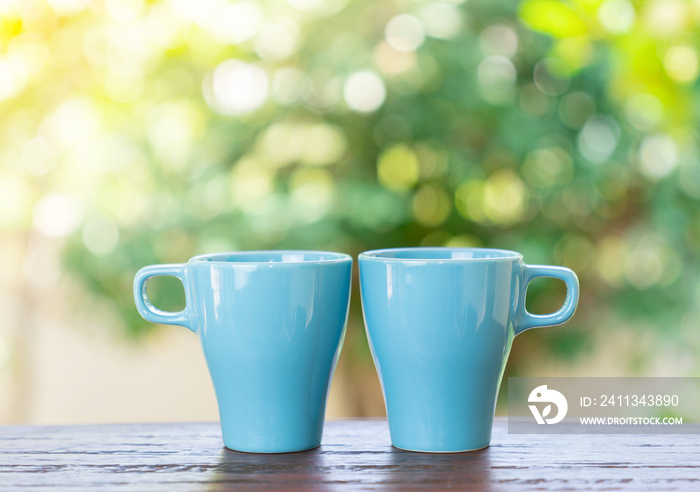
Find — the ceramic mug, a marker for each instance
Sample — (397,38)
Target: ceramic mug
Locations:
(440,322)
(271,324)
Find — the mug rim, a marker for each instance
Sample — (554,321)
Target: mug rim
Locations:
(330,257)
(381,255)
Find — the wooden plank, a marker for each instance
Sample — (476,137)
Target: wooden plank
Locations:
(355,455)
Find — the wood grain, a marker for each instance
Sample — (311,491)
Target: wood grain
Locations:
(355,455)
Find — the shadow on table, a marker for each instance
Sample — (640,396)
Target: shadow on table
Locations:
(425,471)
(304,470)
(332,468)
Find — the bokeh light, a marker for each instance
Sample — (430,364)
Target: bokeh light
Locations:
(404,33)
(57,215)
(644,111)
(658,156)
(681,63)
(598,138)
(237,87)
(236,22)
(364,91)
(100,235)
(616,16)
(552,76)
(398,168)
(498,39)
(441,19)
(134,132)
(496,76)
(431,205)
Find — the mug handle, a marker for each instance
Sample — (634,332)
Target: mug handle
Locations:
(528,320)
(151,313)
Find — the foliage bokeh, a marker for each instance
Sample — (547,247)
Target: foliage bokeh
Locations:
(139,132)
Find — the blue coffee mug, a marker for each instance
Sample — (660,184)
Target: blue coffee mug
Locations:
(441,322)
(271,324)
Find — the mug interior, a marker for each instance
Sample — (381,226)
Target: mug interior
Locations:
(441,254)
(281,256)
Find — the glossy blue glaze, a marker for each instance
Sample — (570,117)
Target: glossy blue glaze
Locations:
(440,323)
(271,325)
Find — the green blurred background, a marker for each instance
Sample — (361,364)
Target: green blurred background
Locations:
(136,132)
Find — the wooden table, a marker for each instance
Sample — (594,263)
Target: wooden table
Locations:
(355,455)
